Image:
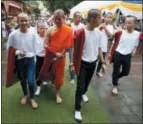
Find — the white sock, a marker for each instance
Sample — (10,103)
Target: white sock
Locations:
(45,83)
(85,98)
(38,90)
(115,91)
(78,116)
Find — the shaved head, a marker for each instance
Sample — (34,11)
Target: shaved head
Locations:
(59,12)
(77,13)
(41,24)
(93,13)
(130,22)
(108,13)
(94,17)
(59,17)
(23,15)
(131,17)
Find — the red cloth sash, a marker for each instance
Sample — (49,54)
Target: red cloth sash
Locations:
(11,76)
(117,40)
(47,72)
(79,40)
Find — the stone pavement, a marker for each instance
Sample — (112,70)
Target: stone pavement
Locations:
(127,106)
(124,108)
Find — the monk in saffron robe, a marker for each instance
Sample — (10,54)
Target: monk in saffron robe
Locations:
(57,40)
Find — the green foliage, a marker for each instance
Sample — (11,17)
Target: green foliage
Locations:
(51,5)
(36,11)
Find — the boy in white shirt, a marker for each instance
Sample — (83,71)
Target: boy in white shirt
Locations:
(75,26)
(24,41)
(40,54)
(87,48)
(77,21)
(107,31)
(3,29)
(127,46)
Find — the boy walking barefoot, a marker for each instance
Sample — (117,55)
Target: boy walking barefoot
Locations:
(23,41)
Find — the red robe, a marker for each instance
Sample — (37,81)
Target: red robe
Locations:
(11,76)
(141,37)
(47,73)
(116,42)
(60,40)
(79,40)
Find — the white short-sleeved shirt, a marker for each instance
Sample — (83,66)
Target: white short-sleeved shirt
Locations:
(76,27)
(91,45)
(23,41)
(40,50)
(127,42)
(3,29)
(47,26)
(104,41)
(33,29)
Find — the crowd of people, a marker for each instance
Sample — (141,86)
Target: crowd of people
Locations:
(39,54)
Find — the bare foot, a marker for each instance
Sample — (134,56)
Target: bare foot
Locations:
(33,103)
(58,99)
(52,85)
(23,100)
(100,75)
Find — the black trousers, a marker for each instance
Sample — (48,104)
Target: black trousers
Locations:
(123,61)
(83,80)
(39,63)
(26,71)
(99,63)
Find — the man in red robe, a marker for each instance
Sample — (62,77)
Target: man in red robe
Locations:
(58,39)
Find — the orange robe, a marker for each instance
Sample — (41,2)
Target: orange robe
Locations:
(60,40)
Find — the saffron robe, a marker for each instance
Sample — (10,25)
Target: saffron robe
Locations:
(59,40)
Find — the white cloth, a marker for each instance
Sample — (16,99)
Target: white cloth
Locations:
(68,22)
(12,29)
(104,41)
(3,29)
(91,45)
(40,50)
(23,41)
(47,26)
(76,27)
(33,29)
(127,42)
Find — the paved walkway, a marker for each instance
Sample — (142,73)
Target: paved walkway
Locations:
(127,106)
(124,108)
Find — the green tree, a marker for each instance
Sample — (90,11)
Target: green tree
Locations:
(36,11)
(51,5)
